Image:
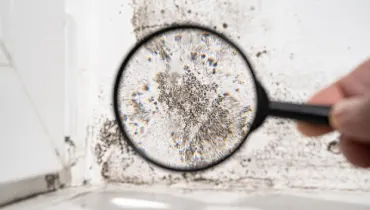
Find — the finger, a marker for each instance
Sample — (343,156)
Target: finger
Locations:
(355,152)
(327,96)
(351,117)
(355,83)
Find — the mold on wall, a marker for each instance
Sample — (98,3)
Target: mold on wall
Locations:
(276,39)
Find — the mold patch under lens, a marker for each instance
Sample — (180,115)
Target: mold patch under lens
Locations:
(192,104)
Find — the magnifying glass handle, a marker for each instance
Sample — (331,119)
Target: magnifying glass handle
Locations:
(303,112)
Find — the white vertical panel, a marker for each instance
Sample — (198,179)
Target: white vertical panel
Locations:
(33,32)
(32,95)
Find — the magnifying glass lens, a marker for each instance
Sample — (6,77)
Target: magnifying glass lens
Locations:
(186,99)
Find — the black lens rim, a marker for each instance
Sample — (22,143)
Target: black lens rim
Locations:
(118,80)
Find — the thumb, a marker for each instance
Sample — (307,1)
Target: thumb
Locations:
(351,117)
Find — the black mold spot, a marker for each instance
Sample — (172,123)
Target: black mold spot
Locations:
(146,87)
(178,37)
(52,181)
(110,137)
(193,55)
(210,61)
(68,141)
(162,11)
(224,25)
(258,54)
(333,147)
(105,170)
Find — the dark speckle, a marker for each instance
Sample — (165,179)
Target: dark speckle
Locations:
(146,87)
(215,27)
(162,11)
(193,55)
(252,8)
(52,181)
(69,141)
(214,71)
(203,55)
(224,25)
(237,89)
(260,53)
(333,147)
(189,11)
(150,59)
(210,61)
(178,37)
(249,160)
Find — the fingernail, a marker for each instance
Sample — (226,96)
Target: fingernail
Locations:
(344,111)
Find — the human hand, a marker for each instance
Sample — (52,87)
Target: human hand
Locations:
(350,116)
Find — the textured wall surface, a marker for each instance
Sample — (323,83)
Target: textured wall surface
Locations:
(296,48)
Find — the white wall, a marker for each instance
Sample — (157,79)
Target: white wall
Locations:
(32,96)
(309,44)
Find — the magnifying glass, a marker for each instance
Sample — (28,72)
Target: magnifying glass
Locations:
(186,98)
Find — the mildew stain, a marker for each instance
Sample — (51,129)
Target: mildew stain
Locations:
(110,139)
(206,117)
